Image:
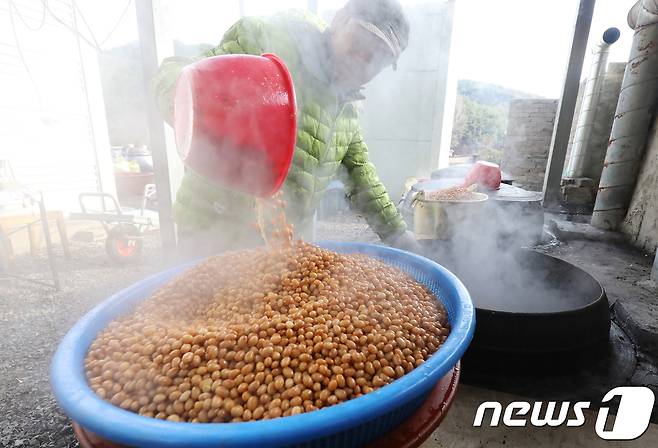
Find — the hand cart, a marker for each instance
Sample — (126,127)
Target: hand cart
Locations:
(124,228)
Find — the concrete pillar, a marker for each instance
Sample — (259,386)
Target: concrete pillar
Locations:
(157,138)
(580,191)
(579,162)
(408,113)
(447,92)
(633,120)
(567,105)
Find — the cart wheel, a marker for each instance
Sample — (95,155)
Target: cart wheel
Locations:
(124,243)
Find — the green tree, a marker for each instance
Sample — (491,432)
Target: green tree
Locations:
(477,126)
(480,120)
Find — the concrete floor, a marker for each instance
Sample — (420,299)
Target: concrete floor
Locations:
(623,272)
(30,416)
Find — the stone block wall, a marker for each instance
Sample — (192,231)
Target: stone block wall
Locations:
(528,140)
(530,129)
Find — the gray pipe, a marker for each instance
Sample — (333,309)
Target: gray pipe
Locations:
(582,145)
(633,116)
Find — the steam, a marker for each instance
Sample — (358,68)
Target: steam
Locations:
(232,223)
(491,253)
(485,251)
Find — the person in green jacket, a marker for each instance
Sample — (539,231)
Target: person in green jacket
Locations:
(329,66)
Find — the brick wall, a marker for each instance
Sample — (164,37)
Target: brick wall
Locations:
(528,140)
(530,128)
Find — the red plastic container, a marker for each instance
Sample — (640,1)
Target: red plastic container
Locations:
(235,121)
(486,174)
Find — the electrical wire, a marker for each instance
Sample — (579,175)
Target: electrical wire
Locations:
(114,28)
(46,10)
(23,61)
(86,24)
(91,41)
(97,45)
(69,27)
(12,4)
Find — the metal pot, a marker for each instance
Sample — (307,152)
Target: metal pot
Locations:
(438,220)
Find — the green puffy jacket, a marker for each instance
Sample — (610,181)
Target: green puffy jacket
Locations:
(328,133)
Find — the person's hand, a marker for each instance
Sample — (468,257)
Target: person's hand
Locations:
(405,241)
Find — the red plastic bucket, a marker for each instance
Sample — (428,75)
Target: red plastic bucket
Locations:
(235,121)
(486,174)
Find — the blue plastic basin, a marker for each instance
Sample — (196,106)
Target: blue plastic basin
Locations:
(350,424)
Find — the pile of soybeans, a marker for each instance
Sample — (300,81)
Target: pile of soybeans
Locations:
(259,334)
(452,194)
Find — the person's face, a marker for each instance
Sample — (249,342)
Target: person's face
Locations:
(359,55)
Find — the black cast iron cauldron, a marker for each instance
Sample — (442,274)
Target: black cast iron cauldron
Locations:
(558,308)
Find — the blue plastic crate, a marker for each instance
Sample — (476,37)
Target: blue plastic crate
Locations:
(349,424)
